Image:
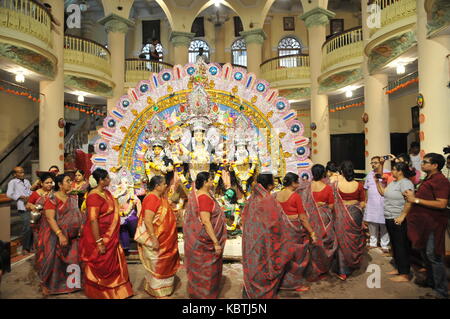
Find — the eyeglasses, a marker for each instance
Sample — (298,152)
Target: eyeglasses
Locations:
(374,163)
(426,162)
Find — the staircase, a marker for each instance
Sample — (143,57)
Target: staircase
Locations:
(25,148)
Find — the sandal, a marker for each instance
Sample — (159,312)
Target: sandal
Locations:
(302,288)
(342,277)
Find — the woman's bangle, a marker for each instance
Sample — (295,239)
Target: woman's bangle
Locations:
(99,240)
(58,232)
(312,234)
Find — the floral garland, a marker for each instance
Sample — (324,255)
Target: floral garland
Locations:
(84,108)
(218,175)
(18,93)
(124,213)
(355,102)
(183,179)
(251,172)
(237,212)
(402,85)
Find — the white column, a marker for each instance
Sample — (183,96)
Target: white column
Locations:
(433,80)
(181,42)
(116,27)
(254,40)
(316,21)
(51,136)
(376,105)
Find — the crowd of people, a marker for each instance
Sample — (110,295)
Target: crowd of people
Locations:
(301,234)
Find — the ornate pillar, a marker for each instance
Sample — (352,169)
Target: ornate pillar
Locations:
(117,28)
(51,109)
(267,46)
(316,21)
(220,42)
(433,74)
(254,40)
(377,130)
(181,42)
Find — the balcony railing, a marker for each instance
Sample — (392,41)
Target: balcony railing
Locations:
(288,67)
(26,16)
(87,53)
(140,69)
(342,47)
(394,10)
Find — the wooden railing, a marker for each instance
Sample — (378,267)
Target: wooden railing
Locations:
(28,17)
(140,69)
(286,67)
(87,53)
(341,47)
(394,10)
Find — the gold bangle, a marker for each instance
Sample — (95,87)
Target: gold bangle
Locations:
(99,240)
(58,232)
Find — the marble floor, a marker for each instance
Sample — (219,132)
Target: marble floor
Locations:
(22,282)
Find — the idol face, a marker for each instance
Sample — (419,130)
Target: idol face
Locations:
(199,136)
(157,150)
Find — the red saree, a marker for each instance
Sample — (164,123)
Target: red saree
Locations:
(203,266)
(321,220)
(161,265)
(105,276)
(271,247)
(37,199)
(349,233)
(52,259)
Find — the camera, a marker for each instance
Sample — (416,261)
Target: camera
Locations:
(378,176)
(446,150)
(386,157)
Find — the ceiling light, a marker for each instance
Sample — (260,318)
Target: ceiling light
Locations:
(348,93)
(20,78)
(401,69)
(217,3)
(80,98)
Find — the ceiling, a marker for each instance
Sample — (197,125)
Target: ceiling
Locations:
(150,8)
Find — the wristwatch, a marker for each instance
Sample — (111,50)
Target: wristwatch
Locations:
(417,201)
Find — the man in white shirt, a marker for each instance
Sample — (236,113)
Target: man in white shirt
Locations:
(19,191)
(374,212)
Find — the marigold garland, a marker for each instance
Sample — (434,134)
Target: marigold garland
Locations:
(84,108)
(344,107)
(402,86)
(18,93)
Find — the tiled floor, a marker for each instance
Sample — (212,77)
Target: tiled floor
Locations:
(23,282)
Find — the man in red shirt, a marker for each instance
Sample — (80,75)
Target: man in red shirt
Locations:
(427,221)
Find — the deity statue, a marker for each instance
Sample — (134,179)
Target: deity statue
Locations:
(244,155)
(156,160)
(202,137)
(129,206)
(232,209)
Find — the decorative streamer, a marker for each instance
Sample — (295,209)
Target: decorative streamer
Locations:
(359,101)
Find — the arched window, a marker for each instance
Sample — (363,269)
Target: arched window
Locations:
(289,46)
(145,53)
(239,52)
(194,48)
